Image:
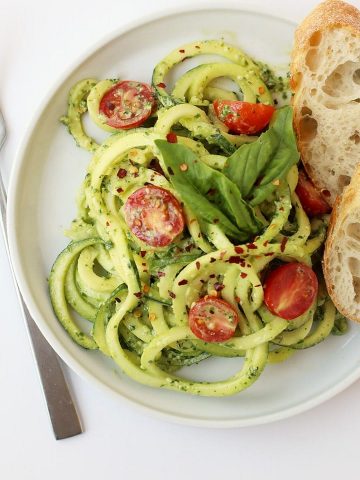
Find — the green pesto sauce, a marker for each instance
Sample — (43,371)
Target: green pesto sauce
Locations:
(277,84)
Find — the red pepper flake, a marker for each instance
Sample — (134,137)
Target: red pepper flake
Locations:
(182,50)
(212,275)
(237,299)
(326,193)
(117,299)
(119,190)
(122,173)
(138,294)
(161,274)
(281,209)
(269,254)
(161,85)
(283,244)
(189,247)
(171,137)
(212,260)
(197,265)
(243,275)
(142,253)
(251,246)
(182,282)
(261,90)
(239,250)
(155,165)
(219,286)
(146,289)
(107,224)
(266,243)
(171,294)
(234,259)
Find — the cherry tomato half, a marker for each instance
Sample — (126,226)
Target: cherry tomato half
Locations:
(154,215)
(311,199)
(213,320)
(290,290)
(243,117)
(127,104)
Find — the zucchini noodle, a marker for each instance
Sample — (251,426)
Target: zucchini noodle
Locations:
(136,297)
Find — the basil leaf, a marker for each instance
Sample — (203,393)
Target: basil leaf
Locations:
(212,196)
(255,166)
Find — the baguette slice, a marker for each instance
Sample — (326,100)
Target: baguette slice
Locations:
(325,80)
(341,261)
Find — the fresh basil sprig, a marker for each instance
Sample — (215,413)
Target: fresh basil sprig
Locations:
(257,167)
(212,197)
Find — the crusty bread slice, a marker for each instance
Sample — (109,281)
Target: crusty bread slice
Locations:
(325,79)
(342,251)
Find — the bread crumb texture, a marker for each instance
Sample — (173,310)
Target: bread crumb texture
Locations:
(325,79)
(341,258)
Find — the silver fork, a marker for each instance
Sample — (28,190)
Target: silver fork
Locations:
(63,415)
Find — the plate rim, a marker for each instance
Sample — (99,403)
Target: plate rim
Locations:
(56,343)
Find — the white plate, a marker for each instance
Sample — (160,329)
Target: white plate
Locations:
(47,173)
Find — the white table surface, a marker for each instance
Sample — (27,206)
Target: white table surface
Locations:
(38,40)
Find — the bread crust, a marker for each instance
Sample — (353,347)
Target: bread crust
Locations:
(348,201)
(327,15)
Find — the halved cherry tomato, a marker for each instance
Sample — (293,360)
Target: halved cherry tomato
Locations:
(290,290)
(154,215)
(311,199)
(213,320)
(243,117)
(127,104)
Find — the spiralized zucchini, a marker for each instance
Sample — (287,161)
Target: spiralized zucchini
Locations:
(136,298)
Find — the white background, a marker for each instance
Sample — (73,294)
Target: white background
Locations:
(38,40)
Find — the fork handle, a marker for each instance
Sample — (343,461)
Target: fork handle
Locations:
(62,410)
(63,415)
